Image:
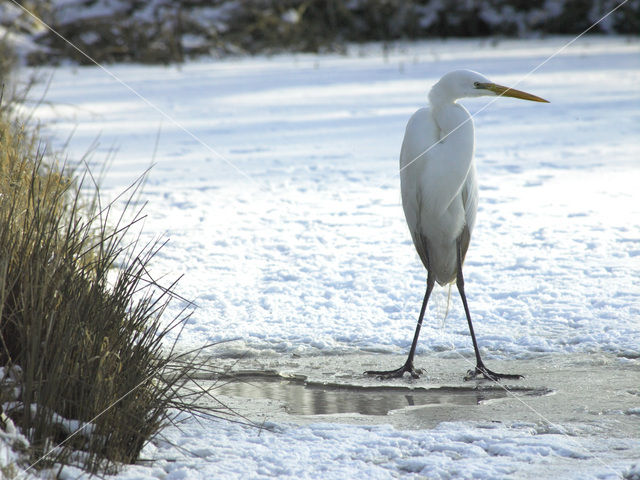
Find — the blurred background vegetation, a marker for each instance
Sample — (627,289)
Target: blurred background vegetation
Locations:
(163,31)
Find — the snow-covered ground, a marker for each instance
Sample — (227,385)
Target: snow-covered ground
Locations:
(276,181)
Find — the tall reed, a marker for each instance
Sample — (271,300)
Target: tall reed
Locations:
(82,330)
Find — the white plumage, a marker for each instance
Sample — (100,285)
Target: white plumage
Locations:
(440,192)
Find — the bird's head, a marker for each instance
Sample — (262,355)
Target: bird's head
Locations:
(467,83)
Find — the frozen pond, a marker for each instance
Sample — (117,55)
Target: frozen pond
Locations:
(307,398)
(275,180)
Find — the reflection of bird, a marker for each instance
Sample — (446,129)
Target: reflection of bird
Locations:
(440,194)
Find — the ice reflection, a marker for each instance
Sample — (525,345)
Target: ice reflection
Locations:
(302,398)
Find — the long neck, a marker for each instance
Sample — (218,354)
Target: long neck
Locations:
(453,155)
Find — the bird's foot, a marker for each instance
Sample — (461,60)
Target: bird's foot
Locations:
(397,373)
(484,372)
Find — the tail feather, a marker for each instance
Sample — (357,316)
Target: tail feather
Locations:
(446,307)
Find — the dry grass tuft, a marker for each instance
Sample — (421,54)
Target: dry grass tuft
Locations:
(83,341)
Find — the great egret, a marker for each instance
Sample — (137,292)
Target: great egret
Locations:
(440,193)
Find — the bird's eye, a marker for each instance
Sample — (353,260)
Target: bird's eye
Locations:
(476,84)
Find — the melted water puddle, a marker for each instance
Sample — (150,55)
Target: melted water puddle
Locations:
(302,398)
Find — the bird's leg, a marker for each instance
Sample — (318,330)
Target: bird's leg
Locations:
(408,366)
(480,369)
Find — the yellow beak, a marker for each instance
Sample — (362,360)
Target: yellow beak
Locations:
(510,92)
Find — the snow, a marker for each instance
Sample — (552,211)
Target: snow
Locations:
(311,251)
(450,451)
(12,443)
(296,243)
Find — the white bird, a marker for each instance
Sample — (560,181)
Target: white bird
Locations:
(440,192)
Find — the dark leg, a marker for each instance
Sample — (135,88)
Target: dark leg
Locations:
(480,368)
(408,366)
